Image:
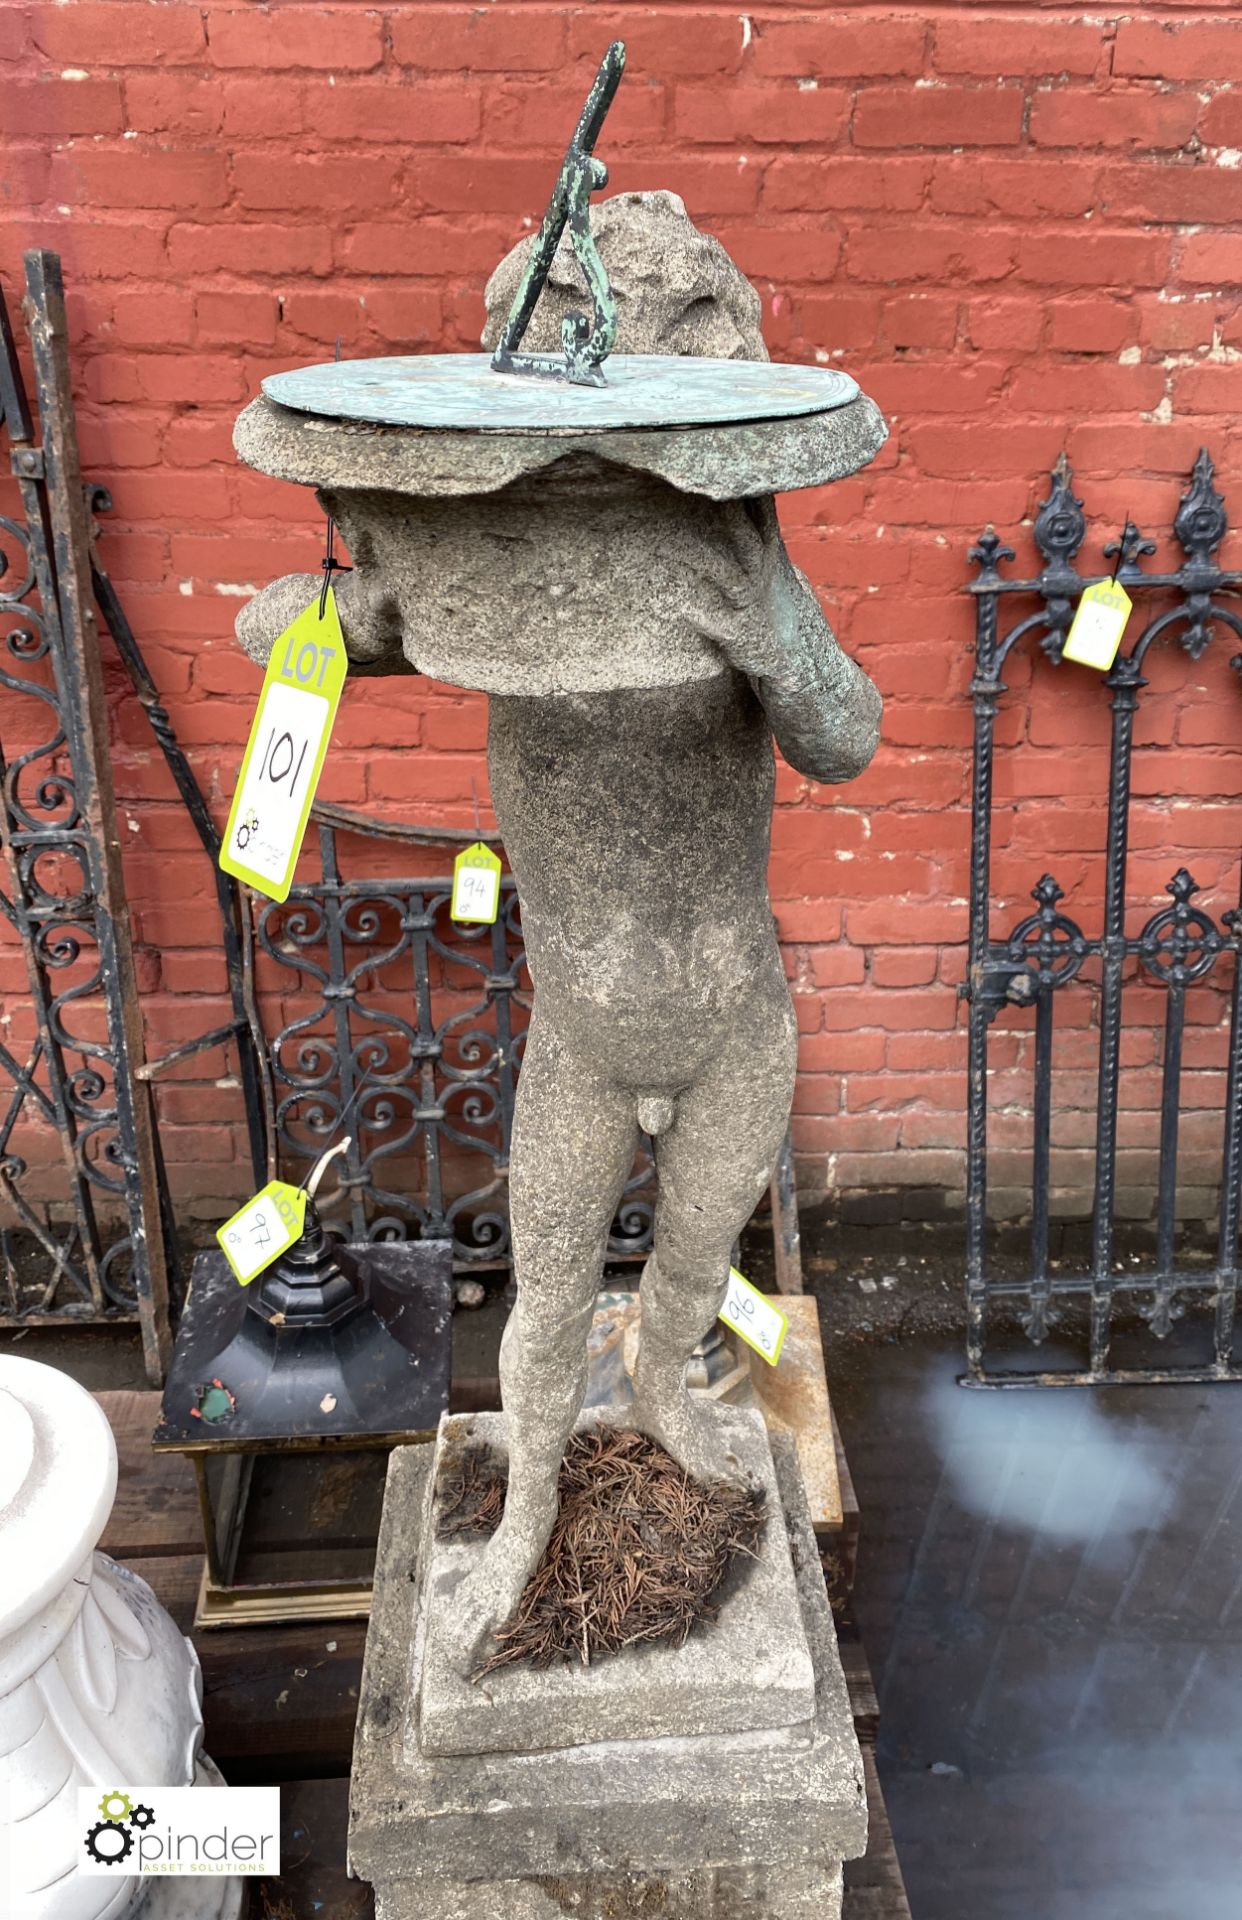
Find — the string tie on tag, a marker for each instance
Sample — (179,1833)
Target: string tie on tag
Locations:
(330,565)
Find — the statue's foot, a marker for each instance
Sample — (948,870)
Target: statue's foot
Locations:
(488,1598)
(687,1426)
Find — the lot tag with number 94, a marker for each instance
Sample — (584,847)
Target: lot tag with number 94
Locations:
(753,1318)
(285,752)
(476,886)
(259,1232)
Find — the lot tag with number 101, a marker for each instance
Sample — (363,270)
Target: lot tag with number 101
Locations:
(259,1232)
(476,886)
(285,752)
(754,1319)
(1099,623)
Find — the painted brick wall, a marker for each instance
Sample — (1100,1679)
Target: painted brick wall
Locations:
(1016,225)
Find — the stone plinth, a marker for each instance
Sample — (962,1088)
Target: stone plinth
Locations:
(710,1893)
(716,1825)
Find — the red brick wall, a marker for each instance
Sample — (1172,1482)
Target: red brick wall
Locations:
(1017,226)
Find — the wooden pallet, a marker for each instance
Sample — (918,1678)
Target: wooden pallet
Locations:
(279,1703)
(874,1888)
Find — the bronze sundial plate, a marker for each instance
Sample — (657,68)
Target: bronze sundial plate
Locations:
(437,424)
(461,392)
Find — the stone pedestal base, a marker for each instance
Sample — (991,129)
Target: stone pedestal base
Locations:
(741,1825)
(711,1893)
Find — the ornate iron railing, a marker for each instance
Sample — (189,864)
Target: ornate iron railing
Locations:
(1179,945)
(98,1245)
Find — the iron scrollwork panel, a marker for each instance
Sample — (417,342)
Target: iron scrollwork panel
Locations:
(1179,945)
(101,1254)
(404,1031)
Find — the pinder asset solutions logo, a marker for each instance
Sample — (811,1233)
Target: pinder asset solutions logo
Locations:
(180,1830)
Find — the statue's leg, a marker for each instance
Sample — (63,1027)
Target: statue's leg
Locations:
(714,1164)
(574,1139)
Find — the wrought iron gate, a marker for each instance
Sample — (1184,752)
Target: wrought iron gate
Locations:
(99,1247)
(67,897)
(1179,945)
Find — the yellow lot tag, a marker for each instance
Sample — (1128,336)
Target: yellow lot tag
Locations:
(262,1229)
(753,1317)
(285,752)
(1099,623)
(476,885)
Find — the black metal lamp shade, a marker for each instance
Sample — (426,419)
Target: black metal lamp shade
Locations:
(287,1396)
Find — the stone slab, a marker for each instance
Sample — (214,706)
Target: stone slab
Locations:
(728,462)
(749,1668)
(614,1808)
(811,1892)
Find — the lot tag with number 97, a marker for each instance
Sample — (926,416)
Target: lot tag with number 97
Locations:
(753,1318)
(285,752)
(259,1232)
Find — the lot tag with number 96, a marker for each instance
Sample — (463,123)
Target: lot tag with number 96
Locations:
(259,1232)
(753,1318)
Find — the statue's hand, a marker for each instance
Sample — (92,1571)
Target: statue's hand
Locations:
(760,621)
(262,620)
(823,709)
(372,634)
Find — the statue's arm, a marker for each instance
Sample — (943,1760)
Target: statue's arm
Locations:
(369,620)
(822,708)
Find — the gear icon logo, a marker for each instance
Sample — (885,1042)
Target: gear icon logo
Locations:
(109,1842)
(111,1839)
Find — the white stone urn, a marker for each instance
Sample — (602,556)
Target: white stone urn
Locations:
(97,1686)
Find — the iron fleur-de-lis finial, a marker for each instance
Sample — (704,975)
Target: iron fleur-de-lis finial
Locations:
(1060,525)
(1200,524)
(587,342)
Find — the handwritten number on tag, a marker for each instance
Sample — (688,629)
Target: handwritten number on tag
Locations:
(285,752)
(476,885)
(755,1319)
(258,1233)
(278,761)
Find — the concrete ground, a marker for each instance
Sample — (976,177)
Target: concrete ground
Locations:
(1050,1593)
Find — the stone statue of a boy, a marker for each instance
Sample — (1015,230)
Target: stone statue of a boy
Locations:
(636,818)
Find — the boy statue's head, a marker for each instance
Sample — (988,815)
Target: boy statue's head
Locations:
(677,291)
